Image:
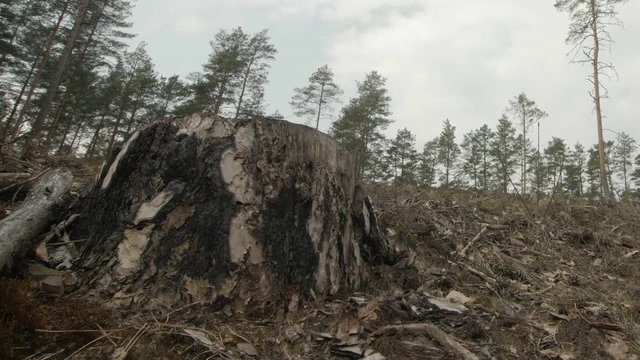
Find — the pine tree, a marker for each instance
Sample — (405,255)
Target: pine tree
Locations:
(594,186)
(527,113)
(540,171)
(472,157)
(109,90)
(429,163)
(624,151)
(555,153)
(315,99)
(56,78)
(364,118)
(635,176)
(504,152)
(448,151)
(170,94)
(378,168)
(44,39)
(199,96)
(225,67)
(483,138)
(575,169)
(403,157)
(257,53)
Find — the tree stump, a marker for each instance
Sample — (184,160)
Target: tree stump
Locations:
(218,211)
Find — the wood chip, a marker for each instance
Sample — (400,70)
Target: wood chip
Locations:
(247,349)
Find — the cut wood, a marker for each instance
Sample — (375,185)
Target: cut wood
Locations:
(214,210)
(40,209)
(433,332)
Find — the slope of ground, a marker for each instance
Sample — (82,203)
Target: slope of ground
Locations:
(489,276)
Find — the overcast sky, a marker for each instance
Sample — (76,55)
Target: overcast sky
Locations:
(462,60)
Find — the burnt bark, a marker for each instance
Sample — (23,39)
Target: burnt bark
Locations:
(227,211)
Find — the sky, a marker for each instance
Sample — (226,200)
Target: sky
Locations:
(460,60)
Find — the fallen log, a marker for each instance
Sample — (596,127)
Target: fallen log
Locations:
(39,210)
(227,212)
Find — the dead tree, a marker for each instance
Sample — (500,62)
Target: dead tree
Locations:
(41,208)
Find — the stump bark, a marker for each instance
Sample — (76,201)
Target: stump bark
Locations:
(217,211)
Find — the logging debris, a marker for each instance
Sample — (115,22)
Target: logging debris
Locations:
(527,290)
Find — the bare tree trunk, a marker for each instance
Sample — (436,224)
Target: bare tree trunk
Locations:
(57,75)
(320,106)
(606,192)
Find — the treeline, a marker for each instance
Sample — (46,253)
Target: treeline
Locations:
(69,84)
(507,157)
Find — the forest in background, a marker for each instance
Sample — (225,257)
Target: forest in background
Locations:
(70,85)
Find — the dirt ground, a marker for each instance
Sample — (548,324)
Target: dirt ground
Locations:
(487,276)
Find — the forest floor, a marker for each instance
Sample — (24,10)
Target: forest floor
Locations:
(490,276)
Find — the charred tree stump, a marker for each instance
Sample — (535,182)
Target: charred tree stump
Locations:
(41,208)
(211,211)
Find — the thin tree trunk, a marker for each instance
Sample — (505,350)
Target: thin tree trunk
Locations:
(606,192)
(79,134)
(54,126)
(244,86)
(67,128)
(57,75)
(39,72)
(116,127)
(96,134)
(76,135)
(220,98)
(6,129)
(320,106)
(136,106)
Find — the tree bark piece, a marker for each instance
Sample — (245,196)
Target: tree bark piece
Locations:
(39,210)
(218,211)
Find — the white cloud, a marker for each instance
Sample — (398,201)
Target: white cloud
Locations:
(464,60)
(333,10)
(459,59)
